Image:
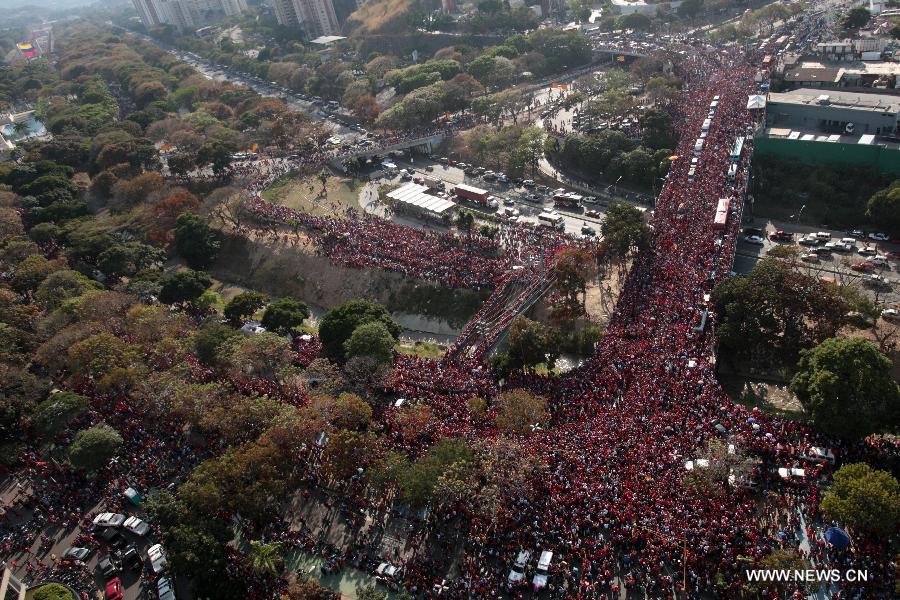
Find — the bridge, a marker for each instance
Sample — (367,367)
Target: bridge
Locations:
(426,143)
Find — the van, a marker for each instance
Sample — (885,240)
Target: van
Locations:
(543,570)
(706,125)
(698,146)
(732,172)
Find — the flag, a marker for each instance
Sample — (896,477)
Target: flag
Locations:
(27,50)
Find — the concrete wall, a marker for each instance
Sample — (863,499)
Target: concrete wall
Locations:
(824,153)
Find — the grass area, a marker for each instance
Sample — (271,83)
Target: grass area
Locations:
(769,398)
(422,350)
(302,193)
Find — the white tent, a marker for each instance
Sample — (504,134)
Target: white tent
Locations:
(756,102)
(413,196)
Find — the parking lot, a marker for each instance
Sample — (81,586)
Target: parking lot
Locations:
(516,201)
(860,260)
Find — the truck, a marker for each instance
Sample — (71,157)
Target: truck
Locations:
(432,183)
(472,194)
(567,199)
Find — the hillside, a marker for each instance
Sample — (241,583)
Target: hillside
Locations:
(378,16)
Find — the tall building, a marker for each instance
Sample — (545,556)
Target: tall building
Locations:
(187,14)
(316,16)
(147,11)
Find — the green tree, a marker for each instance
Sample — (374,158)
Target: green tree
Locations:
(369,592)
(184,286)
(531,147)
(635,21)
(856,18)
(217,155)
(265,559)
(126,259)
(770,314)
(690,8)
(210,339)
(884,209)
(656,129)
(847,387)
(55,413)
(93,448)
(196,241)
(339,323)
(53,591)
(624,229)
(98,355)
(373,340)
(244,305)
(864,498)
(784,559)
(59,286)
(531,343)
(417,484)
(519,411)
(284,314)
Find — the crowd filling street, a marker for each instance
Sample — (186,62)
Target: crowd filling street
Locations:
(613,509)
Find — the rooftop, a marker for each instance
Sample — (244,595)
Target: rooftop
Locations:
(811,135)
(882,103)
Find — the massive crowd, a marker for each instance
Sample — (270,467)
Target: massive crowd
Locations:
(612,507)
(615,510)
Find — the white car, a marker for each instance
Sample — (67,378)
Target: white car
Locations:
(822,235)
(543,570)
(136,526)
(157,557)
(517,572)
(890,314)
(880,237)
(165,589)
(809,257)
(109,520)
(754,239)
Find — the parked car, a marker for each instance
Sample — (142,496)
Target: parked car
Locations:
(863,266)
(136,526)
(780,235)
(867,251)
(809,257)
(542,574)
(809,241)
(114,589)
(879,237)
(164,589)
(108,566)
(130,558)
(109,520)
(890,314)
(76,553)
(517,572)
(157,557)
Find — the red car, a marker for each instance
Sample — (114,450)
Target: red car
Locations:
(781,236)
(863,266)
(114,589)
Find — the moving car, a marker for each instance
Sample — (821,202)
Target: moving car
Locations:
(754,239)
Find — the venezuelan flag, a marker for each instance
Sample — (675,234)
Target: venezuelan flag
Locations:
(27,50)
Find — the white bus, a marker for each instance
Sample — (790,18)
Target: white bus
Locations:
(549,219)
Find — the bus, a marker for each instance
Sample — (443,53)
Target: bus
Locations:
(567,199)
(553,220)
(721,217)
(737,149)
